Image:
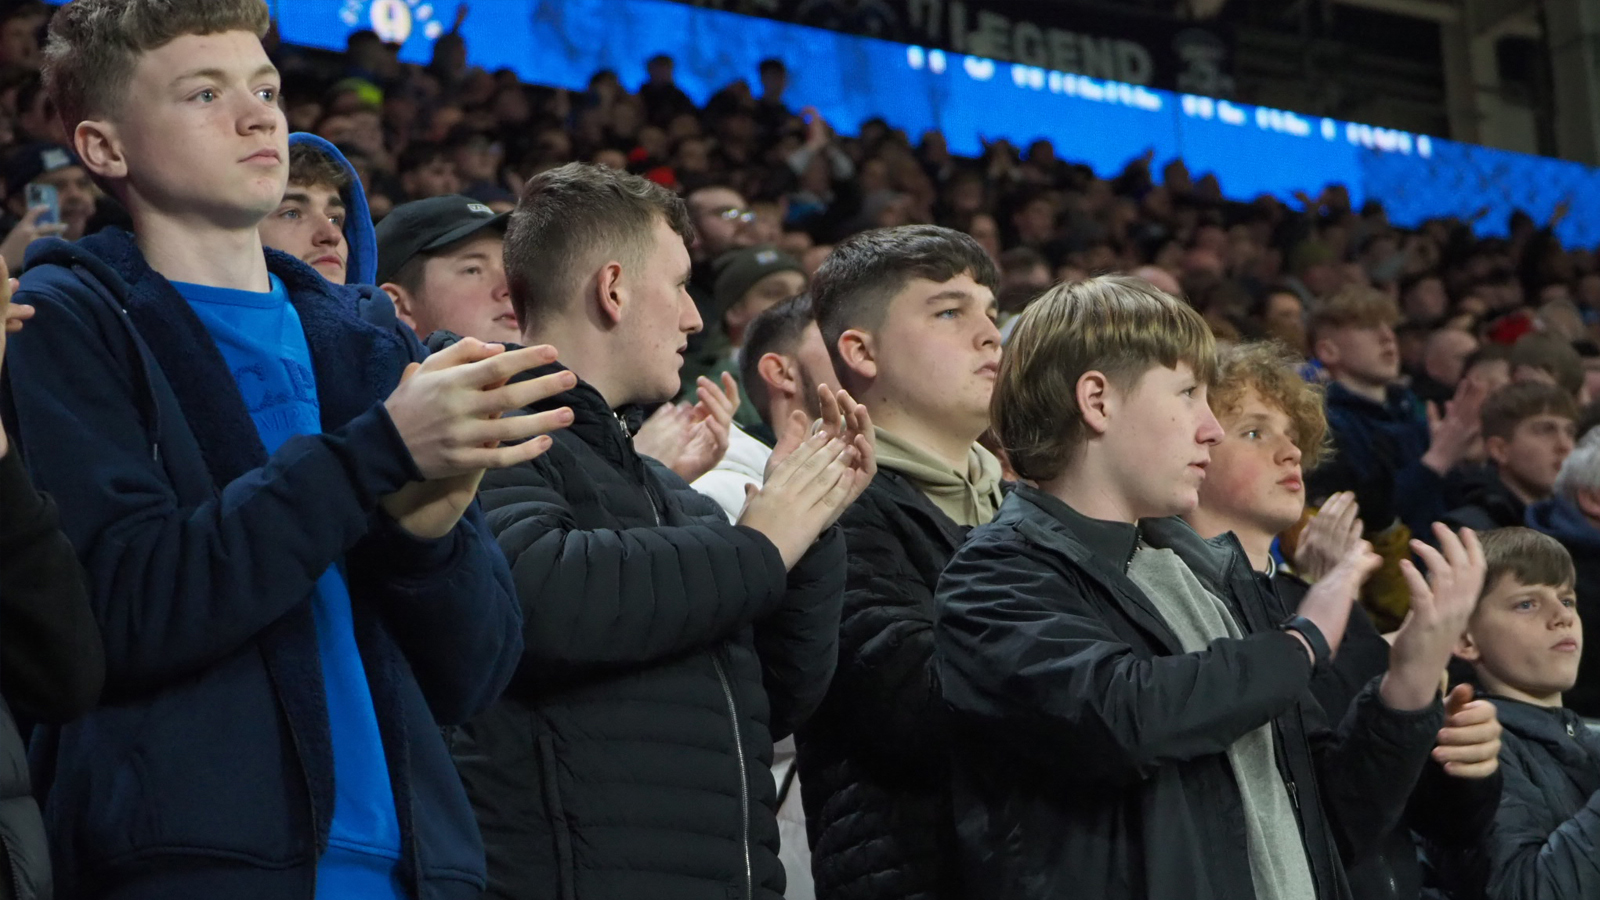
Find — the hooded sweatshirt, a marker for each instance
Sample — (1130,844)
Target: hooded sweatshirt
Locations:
(362,265)
(969,498)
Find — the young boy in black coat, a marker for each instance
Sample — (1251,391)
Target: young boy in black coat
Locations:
(666,647)
(1131,703)
(1525,641)
(908,315)
(1272,425)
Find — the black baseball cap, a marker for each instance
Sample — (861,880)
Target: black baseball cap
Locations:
(426,226)
(29,162)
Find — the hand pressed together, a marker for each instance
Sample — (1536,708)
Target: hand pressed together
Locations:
(1328,537)
(811,481)
(1330,600)
(692,439)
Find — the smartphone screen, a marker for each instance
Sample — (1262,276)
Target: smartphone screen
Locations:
(45,195)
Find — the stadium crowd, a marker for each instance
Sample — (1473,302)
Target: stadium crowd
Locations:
(417,483)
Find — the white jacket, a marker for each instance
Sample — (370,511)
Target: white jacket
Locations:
(744,463)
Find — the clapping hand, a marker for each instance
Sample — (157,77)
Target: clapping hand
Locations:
(1328,537)
(1441,604)
(815,472)
(1469,743)
(691,440)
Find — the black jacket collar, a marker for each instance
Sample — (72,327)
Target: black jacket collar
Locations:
(1113,542)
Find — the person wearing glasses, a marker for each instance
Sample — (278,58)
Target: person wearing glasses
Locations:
(722,222)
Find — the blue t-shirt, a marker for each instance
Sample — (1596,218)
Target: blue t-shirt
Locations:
(260,337)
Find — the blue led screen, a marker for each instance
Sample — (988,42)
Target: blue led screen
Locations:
(1252,150)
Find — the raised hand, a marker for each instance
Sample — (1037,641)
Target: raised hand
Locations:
(691,440)
(802,495)
(1329,601)
(1328,536)
(25,232)
(1441,604)
(795,472)
(1469,743)
(1451,434)
(448,411)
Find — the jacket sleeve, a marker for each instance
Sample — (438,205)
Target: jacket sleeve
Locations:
(1529,862)
(1023,654)
(799,641)
(1369,767)
(176,588)
(450,605)
(604,599)
(52,665)
(885,682)
(1453,812)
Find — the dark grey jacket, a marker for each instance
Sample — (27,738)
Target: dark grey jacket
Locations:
(1544,843)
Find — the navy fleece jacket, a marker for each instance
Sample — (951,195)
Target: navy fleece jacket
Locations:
(209,771)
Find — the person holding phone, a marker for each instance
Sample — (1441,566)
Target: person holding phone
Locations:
(48,194)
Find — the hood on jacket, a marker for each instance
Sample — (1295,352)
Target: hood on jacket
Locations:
(362,266)
(1562,520)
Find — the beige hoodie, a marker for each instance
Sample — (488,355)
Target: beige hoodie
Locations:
(969,498)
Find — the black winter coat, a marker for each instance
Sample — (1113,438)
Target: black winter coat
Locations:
(875,759)
(1544,843)
(1091,751)
(52,663)
(666,650)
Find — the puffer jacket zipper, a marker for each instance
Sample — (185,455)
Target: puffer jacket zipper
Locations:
(727,694)
(744,776)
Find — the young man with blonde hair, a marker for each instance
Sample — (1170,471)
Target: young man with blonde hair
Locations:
(271,491)
(1273,426)
(1130,700)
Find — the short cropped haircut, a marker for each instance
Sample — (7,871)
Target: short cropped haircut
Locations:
(1118,325)
(93,45)
(1529,556)
(310,167)
(568,218)
(778,329)
(1273,371)
(1513,404)
(1354,306)
(1550,354)
(854,285)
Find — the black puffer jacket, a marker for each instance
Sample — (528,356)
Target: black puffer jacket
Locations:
(1545,840)
(52,664)
(1091,751)
(666,649)
(875,759)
